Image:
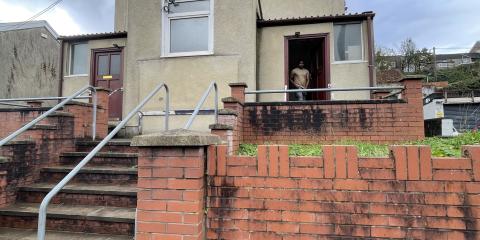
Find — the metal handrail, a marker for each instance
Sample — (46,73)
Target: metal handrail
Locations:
(325,90)
(42,213)
(61,104)
(42,98)
(15,105)
(115,91)
(213,85)
(183,112)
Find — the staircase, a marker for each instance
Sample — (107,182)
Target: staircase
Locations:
(98,204)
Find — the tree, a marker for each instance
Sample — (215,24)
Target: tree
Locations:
(408,49)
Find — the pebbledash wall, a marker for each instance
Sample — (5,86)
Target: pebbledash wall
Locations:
(378,121)
(409,195)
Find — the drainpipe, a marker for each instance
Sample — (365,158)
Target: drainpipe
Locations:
(60,70)
(371,52)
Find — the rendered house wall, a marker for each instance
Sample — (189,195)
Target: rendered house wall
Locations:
(72,83)
(28,63)
(233,60)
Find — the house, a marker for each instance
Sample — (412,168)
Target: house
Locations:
(28,60)
(188,44)
(446,61)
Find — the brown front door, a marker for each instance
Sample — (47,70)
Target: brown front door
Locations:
(108,73)
(313,51)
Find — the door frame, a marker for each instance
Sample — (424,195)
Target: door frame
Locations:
(326,56)
(93,67)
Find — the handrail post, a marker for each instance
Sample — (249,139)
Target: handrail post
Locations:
(94,114)
(200,104)
(42,212)
(167,107)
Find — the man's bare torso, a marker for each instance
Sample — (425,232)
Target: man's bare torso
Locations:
(301,77)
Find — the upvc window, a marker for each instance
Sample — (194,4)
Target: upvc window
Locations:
(79,59)
(348,42)
(187,27)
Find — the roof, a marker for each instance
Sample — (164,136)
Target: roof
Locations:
(441,57)
(476,48)
(94,36)
(315,19)
(389,76)
(11,26)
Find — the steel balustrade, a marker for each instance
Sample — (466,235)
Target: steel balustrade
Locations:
(212,86)
(55,108)
(42,213)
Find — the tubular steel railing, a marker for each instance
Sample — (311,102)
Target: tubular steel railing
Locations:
(55,108)
(42,213)
(324,90)
(213,85)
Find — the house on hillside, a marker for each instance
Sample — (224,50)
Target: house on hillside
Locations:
(28,60)
(446,61)
(188,44)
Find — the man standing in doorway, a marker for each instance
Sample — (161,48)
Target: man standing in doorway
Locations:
(300,78)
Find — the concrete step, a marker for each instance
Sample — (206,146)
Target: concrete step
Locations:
(26,234)
(101,159)
(111,195)
(71,218)
(115,145)
(91,174)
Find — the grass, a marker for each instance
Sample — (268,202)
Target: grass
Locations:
(441,147)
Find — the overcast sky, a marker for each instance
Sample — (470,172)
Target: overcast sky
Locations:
(439,23)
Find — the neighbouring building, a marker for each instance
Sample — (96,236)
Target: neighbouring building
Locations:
(28,60)
(446,61)
(188,44)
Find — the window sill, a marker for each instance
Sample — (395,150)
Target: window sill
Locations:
(349,62)
(76,75)
(187,54)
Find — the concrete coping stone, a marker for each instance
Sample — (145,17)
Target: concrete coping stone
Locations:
(230,100)
(176,138)
(227,112)
(240,84)
(220,127)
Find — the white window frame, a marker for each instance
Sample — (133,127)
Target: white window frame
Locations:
(362,60)
(70,60)
(166,19)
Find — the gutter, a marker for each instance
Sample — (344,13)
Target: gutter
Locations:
(60,71)
(371,52)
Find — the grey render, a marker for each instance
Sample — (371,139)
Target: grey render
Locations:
(29,55)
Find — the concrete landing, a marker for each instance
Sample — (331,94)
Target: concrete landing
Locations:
(23,234)
(85,188)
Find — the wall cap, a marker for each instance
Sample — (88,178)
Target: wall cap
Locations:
(220,127)
(240,84)
(176,138)
(227,112)
(413,77)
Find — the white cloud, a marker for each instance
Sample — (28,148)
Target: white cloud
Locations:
(58,18)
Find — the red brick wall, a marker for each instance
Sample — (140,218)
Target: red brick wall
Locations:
(409,195)
(378,121)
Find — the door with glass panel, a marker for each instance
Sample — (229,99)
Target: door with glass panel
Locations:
(108,73)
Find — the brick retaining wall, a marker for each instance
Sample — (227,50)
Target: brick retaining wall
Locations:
(326,122)
(407,196)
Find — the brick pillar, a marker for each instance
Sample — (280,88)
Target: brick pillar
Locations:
(226,133)
(238,91)
(414,109)
(171,182)
(102,114)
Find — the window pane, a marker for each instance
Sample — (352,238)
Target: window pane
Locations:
(189,35)
(193,6)
(102,65)
(79,59)
(115,65)
(348,42)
